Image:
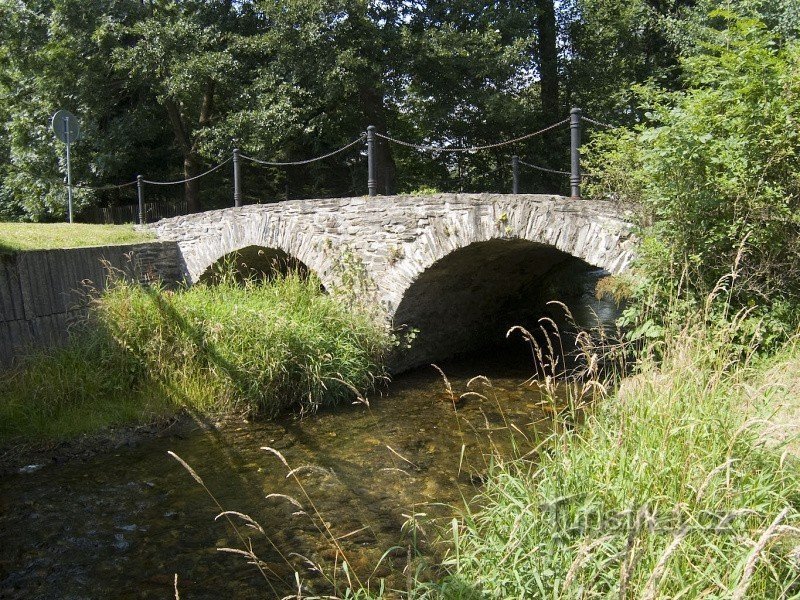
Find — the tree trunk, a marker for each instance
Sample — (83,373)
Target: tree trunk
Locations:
(375,114)
(191,161)
(191,189)
(548,60)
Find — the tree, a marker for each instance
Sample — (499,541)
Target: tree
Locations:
(183,54)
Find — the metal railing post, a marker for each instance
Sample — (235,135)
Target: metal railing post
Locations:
(68,141)
(237,179)
(515,174)
(140,190)
(575,152)
(372,179)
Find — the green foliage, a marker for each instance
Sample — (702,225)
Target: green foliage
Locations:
(259,347)
(665,492)
(81,388)
(715,170)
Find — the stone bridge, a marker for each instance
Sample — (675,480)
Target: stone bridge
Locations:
(459,268)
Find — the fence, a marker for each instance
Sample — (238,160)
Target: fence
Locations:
(146,211)
(129,213)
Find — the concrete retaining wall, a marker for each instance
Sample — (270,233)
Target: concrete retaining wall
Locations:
(44,292)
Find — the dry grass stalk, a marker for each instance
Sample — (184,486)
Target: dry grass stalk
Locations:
(580,559)
(401,457)
(448,388)
(701,490)
(651,586)
(750,566)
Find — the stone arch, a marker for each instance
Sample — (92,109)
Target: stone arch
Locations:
(255,262)
(576,230)
(213,235)
(479,272)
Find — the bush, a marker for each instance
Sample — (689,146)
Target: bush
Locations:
(715,170)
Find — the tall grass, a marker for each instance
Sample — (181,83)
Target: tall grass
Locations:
(244,347)
(80,388)
(258,347)
(668,490)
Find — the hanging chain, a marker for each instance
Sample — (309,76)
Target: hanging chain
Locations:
(102,188)
(545,169)
(593,122)
(304,162)
(211,170)
(423,147)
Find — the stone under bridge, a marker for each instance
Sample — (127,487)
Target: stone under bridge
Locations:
(459,268)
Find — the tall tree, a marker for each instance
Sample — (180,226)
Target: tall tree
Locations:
(183,54)
(547,33)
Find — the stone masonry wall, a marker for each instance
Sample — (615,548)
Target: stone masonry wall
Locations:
(397,237)
(44,292)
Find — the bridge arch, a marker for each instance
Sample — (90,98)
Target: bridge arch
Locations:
(477,273)
(471,297)
(254,262)
(258,236)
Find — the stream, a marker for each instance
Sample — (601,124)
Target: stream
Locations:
(122,523)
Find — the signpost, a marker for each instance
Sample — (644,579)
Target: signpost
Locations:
(67,129)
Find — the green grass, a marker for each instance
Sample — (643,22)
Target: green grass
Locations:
(634,504)
(78,389)
(46,236)
(227,348)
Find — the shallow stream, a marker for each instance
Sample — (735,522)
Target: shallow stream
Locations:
(121,524)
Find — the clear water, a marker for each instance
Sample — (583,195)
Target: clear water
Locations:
(120,525)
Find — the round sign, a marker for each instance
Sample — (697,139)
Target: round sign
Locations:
(66,126)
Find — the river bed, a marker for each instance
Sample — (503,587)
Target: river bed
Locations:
(122,523)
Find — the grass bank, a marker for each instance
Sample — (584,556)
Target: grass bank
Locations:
(47,236)
(680,486)
(227,348)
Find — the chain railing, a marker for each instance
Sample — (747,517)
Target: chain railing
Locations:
(371,137)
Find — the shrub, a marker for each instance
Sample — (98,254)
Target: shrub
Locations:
(715,170)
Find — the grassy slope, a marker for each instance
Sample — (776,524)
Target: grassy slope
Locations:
(686,441)
(44,236)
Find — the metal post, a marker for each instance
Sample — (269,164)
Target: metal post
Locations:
(372,180)
(69,168)
(140,189)
(575,152)
(237,179)
(515,173)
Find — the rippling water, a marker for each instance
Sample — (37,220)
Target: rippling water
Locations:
(120,525)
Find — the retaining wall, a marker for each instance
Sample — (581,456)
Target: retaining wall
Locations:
(43,293)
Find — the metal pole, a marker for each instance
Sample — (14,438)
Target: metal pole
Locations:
(69,168)
(575,152)
(515,173)
(372,180)
(140,190)
(237,179)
